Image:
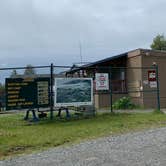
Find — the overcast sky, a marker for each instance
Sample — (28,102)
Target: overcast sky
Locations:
(40,32)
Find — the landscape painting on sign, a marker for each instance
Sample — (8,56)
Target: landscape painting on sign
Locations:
(73,91)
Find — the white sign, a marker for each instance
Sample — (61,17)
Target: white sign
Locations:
(152,75)
(102,82)
(73,91)
(153,84)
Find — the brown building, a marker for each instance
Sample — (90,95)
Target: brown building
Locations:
(129,75)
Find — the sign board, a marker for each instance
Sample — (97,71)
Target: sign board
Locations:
(102,82)
(152,78)
(27,93)
(73,91)
(152,75)
(153,84)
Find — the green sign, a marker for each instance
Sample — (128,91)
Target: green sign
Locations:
(28,92)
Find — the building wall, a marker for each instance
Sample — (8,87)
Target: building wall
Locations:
(149,57)
(137,78)
(134,77)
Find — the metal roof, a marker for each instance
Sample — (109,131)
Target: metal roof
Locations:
(111,59)
(99,62)
(105,60)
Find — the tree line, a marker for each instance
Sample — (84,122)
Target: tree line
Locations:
(29,71)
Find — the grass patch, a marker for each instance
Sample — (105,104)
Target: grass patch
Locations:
(18,136)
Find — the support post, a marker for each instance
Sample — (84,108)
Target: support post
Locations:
(158,88)
(51,90)
(111,91)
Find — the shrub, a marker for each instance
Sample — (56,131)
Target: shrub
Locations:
(124,103)
(157,111)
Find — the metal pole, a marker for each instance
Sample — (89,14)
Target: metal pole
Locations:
(111,91)
(80,51)
(51,90)
(158,88)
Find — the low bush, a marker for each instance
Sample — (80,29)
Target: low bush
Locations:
(157,111)
(124,103)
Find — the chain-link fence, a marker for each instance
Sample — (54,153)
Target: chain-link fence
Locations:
(58,87)
(123,87)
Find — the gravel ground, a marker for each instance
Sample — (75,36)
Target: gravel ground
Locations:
(146,148)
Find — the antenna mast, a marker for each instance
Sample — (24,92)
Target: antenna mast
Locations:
(80,46)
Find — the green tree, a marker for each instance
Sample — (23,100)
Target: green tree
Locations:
(159,43)
(14,73)
(2,87)
(29,70)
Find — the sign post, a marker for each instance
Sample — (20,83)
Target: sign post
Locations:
(111,92)
(158,89)
(51,90)
(153,79)
(102,83)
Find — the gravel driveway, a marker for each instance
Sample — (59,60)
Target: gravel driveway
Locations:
(146,148)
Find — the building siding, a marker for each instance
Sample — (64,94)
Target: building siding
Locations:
(150,100)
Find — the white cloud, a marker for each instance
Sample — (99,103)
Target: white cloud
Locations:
(50,30)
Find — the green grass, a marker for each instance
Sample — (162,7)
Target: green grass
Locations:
(18,136)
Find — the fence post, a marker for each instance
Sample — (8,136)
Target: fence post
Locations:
(111,91)
(51,90)
(158,88)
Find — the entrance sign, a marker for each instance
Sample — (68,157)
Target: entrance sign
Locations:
(152,78)
(27,92)
(152,75)
(102,82)
(73,91)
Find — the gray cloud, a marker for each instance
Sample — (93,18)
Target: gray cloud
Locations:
(45,31)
